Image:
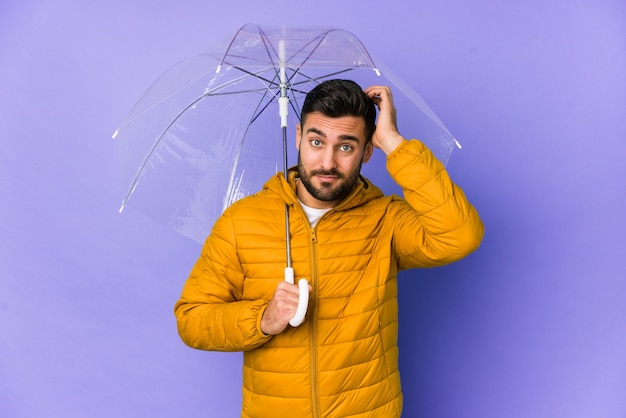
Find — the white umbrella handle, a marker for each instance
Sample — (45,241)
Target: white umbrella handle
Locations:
(303,302)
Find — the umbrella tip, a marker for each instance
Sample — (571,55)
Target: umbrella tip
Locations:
(218,69)
(458,144)
(115,133)
(122,207)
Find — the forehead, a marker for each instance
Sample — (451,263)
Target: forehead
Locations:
(329,127)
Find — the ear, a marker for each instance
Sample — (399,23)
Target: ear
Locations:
(367,153)
(298,136)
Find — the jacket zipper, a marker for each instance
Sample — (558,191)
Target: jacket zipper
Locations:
(313,327)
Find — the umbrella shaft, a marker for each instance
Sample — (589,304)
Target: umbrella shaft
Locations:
(285,172)
(287,236)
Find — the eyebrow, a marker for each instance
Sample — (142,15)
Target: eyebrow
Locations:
(341,137)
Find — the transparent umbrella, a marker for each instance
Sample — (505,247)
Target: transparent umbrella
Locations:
(213,128)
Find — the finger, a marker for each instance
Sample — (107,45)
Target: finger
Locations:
(288,289)
(377,91)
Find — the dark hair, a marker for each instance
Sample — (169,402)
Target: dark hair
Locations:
(337,98)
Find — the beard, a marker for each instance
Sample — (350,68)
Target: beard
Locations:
(326,192)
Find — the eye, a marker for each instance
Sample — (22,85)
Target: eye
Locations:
(346,147)
(316,143)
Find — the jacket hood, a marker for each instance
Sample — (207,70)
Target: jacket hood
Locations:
(363,192)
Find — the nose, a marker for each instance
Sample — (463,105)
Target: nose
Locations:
(328,160)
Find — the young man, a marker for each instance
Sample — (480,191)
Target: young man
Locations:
(349,241)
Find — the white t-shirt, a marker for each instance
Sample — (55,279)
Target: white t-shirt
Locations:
(313,214)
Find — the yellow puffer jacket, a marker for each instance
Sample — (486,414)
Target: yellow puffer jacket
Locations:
(343,360)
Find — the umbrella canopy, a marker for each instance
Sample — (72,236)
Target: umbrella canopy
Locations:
(208,131)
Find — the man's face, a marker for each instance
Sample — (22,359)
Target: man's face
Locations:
(330,154)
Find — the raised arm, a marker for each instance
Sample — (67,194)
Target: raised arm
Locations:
(440,226)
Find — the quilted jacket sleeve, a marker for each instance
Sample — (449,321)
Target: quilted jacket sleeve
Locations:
(440,226)
(210,313)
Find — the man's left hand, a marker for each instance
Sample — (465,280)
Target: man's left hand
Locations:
(386,136)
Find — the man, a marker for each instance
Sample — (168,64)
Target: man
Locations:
(349,241)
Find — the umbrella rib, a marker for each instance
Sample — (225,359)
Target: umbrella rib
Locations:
(230,44)
(256,113)
(152,150)
(131,115)
(227,93)
(321,37)
(243,70)
(309,79)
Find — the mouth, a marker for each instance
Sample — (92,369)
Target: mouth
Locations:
(326,178)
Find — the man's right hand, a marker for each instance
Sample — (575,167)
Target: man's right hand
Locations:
(281,309)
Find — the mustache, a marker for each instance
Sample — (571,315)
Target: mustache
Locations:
(332,172)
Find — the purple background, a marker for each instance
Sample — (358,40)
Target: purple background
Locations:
(532,325)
